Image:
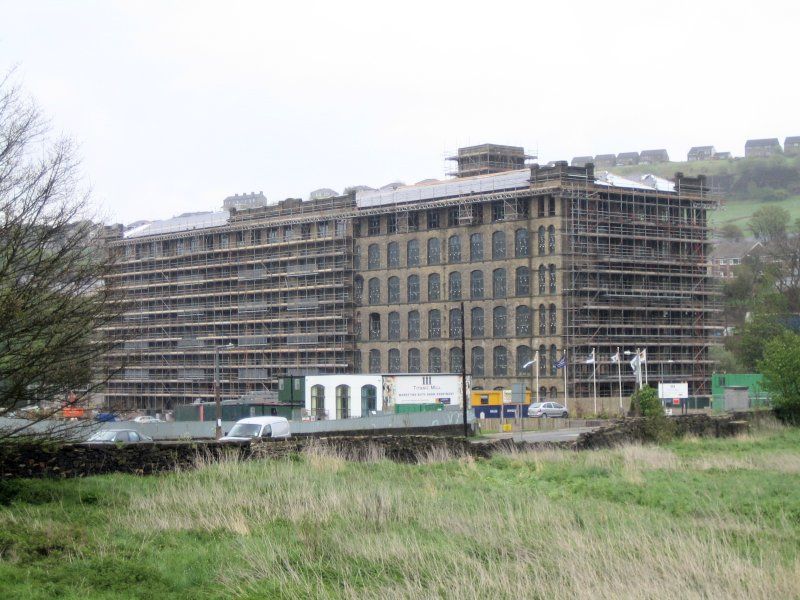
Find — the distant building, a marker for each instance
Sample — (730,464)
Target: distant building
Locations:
(722,156)
(700,153)
(486,159)
(581,161)
(627,158)
(791,145)
(605,161)
(650,157)
(762,148)
(728,254)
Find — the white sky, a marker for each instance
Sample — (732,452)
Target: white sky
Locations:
(177,105)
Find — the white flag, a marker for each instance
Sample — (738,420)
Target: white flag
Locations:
(643,356)
(590,360)
(635,363)
(615,358)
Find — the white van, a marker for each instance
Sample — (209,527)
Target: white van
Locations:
(253,428)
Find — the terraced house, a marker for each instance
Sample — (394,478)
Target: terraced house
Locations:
(547,261)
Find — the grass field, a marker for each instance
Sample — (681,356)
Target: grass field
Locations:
(695,519)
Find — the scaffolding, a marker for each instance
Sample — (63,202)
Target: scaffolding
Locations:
(635,276)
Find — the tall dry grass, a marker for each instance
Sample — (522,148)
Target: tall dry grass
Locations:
(382,530)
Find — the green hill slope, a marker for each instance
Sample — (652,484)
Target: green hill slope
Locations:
(744,184)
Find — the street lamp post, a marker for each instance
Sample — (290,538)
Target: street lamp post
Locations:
(217,402)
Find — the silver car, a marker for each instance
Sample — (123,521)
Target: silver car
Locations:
(543,410)
(118,436)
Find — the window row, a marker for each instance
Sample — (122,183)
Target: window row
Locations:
(434,251)
(524,361)
(522,326)
(522,286)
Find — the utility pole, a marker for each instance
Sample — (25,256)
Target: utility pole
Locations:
(464,373)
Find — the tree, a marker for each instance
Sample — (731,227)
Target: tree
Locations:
(769,223)
(781,369)
(656,426)
(52,262)
(752,338)
(731,231)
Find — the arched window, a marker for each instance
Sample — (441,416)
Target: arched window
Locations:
(521,243)
(551,239)
(543,360)
(551,269)
(434,287)
(553,394)
(542,279)
(374,326)
(412,253)
(542,394)
(500,359)
(393,255)
(356,256)
(454,286)
(455,323)
(374,361)
(394,325)
(374,291)
(434,360)
(499,283)
(477,322)
(394,360)
(318,401)
(553,322)
(453,249)
(343,400)
(476,285)
(369,398)
(553,360)
(434,324)
(524,356)
(541,239)
(393,290)
(434,251)
(498,245)
(542,320)
(412,288)
(523,321)
(523,281)
(499,315)
(413,325)
(477,362)
(358,288)
(414,361)
(455,360)
(476,247)
(373,256)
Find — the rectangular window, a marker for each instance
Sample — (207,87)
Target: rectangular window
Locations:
(433,219)
(374,225)
(413,221)
(498,211)
(452,216)
(391,223)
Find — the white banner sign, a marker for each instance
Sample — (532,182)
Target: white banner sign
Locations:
(673,390)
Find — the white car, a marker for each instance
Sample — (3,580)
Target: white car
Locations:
(543,410)
(258,428)
(146,419)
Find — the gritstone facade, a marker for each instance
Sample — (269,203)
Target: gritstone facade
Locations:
(544,259)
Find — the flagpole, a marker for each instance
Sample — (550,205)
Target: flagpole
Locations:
(537,376)
(594,379)
(566,365)
(619,376)
(639,367)
(644,351)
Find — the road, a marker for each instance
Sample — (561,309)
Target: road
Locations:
(556,435)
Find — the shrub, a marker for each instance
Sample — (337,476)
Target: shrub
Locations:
(656,426)
(781,370)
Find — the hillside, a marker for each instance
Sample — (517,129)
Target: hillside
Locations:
(745,184)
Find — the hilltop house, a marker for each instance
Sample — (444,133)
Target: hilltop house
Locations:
(604,161)
(627,158)
(728,254)
(700,153)
(650,157)
(581,161)
(791,145)
(722,156)
(762,148)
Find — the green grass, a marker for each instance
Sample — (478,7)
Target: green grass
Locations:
(699,518)
(739,211)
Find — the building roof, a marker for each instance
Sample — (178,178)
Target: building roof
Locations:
(581,161)
(734,249)
(765,142)
(606,157)
(793,139)
(628,155)
(698,149)
(659,153)
(185,222)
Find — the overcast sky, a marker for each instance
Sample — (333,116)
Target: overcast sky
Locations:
(177,105)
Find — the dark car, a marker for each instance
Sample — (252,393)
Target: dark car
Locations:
(119,436)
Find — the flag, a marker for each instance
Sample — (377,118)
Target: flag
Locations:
(615,358)
(643,356)
(635,363)
(590,360)
(561,363)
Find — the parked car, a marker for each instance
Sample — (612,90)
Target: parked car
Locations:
(106,417)
(118,436)
(257,428)
(543,410)
(146,419)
